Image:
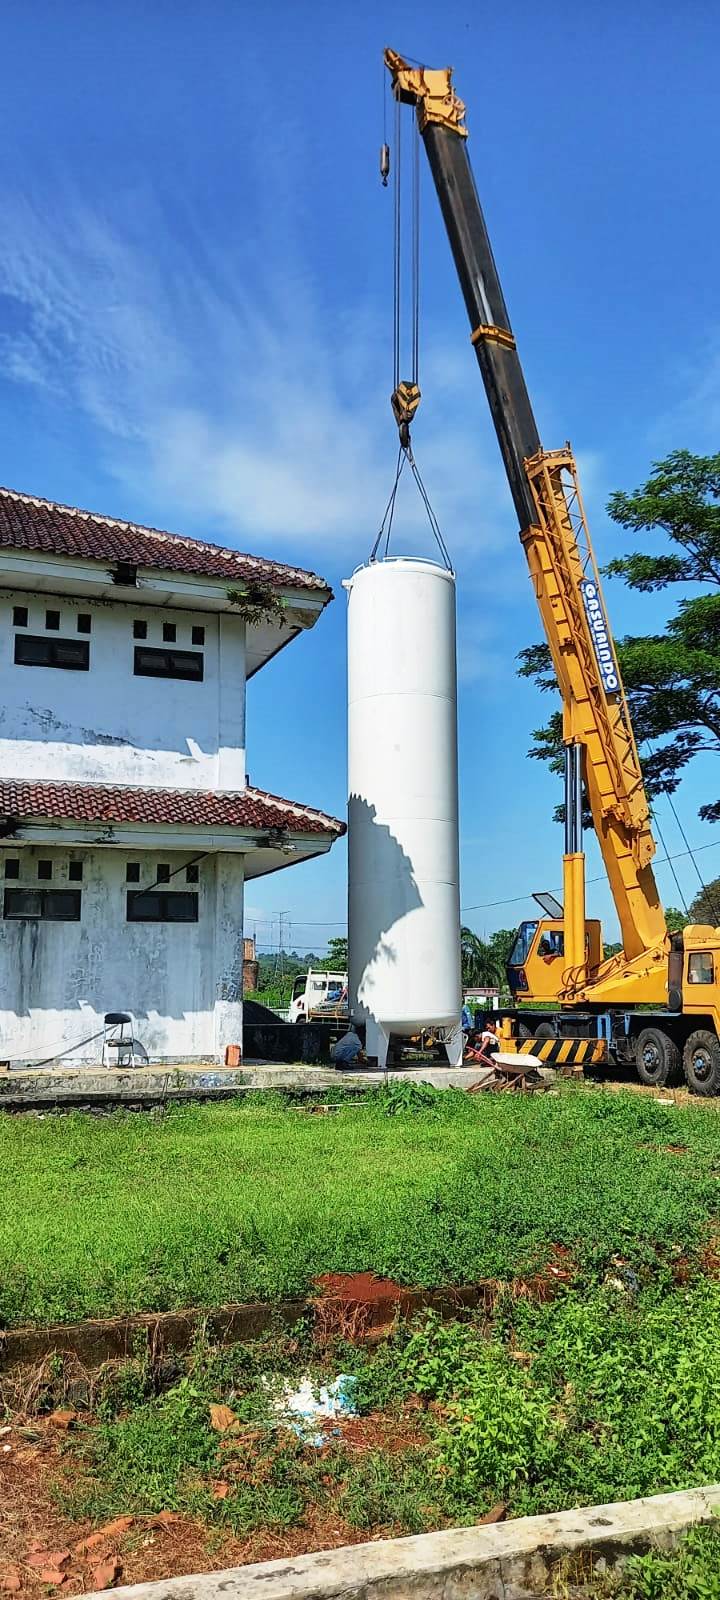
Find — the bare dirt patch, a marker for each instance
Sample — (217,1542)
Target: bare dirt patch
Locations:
(43,1552)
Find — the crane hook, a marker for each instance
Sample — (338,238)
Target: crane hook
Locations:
(385,164)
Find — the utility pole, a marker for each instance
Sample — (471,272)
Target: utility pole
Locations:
(281,944)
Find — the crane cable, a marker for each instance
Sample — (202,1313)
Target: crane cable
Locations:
(712,903)
(411,386)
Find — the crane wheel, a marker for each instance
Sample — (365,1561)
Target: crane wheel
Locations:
(657,1059)
(701,1062)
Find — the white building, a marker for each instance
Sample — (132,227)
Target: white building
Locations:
(127,826)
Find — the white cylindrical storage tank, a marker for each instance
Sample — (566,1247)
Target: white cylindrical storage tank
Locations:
(403,875)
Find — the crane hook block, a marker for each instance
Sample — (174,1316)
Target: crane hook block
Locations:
(405,401)
(385,164)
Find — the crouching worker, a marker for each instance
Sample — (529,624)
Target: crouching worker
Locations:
(347,1049)
(484,1044)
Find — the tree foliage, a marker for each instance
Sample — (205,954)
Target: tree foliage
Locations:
(672,678)
(483,961)
(706,905)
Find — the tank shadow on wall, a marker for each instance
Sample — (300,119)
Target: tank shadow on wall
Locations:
(374,842)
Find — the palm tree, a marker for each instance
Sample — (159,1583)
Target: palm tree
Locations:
(481,962)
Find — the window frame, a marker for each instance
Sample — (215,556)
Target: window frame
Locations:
(164,897)
(45,897)
(49,647)
(168,654)
(696,956)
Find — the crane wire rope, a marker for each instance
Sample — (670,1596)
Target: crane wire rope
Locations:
(397,245)
(689,851)
(669,860)
(712,903)
(405,453)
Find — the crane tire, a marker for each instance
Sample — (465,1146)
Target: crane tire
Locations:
(657,1059)
(701,1062)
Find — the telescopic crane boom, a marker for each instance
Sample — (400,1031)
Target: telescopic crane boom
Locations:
(600,749)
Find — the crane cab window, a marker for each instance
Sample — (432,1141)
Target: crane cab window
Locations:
(700,967)
(552,943)
(526,934)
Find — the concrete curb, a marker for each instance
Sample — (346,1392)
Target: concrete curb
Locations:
(115,1338)
(510,1561)
(57,1088)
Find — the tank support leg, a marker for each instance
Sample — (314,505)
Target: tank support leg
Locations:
(377,1042)
(455,1046)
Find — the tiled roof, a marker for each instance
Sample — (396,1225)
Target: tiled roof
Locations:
(98,803)
(27,523)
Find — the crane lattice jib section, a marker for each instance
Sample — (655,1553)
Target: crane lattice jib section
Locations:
(561,559)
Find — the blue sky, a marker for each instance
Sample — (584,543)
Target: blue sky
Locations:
(195,331)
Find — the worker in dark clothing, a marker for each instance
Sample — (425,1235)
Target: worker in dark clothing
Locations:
(347,1049)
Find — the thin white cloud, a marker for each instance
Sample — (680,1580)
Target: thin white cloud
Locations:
(252,412)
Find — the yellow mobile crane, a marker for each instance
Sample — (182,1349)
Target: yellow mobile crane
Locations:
(657,1003)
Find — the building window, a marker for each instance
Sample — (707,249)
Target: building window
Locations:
(198,635)
(20,616)
(44,870)
(163,873)
(75,871)
(52,620)
(34,650)
(132,872)
(165,905)
(139,629)
(149,663)
(700,967)
(12,867)
(84,622)
(169,632)
(42,905)
(191,872)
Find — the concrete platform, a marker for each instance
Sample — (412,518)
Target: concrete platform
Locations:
(58,1087)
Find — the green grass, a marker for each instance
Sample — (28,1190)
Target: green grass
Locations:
(252,1199)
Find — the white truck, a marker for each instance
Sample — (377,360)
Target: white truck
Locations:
(319,994)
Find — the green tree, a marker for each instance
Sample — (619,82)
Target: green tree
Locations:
(336,959)
(706,905)
(483,961)
(672,678)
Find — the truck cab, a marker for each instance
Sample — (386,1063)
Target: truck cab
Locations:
(318,991)
(537,969)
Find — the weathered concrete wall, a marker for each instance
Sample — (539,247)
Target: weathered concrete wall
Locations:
(181,981)
(513,1560)
(108,726)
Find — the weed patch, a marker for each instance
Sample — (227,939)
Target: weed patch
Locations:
(593,1398)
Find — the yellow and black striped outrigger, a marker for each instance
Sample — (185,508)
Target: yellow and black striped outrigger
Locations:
(564,1052)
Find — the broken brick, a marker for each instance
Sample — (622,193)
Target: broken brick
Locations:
(111,1530)
(55,1559)
(107,1573)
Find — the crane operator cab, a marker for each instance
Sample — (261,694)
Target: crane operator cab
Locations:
(536,968)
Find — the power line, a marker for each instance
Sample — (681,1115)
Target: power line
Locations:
(514,900)
(601,877)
